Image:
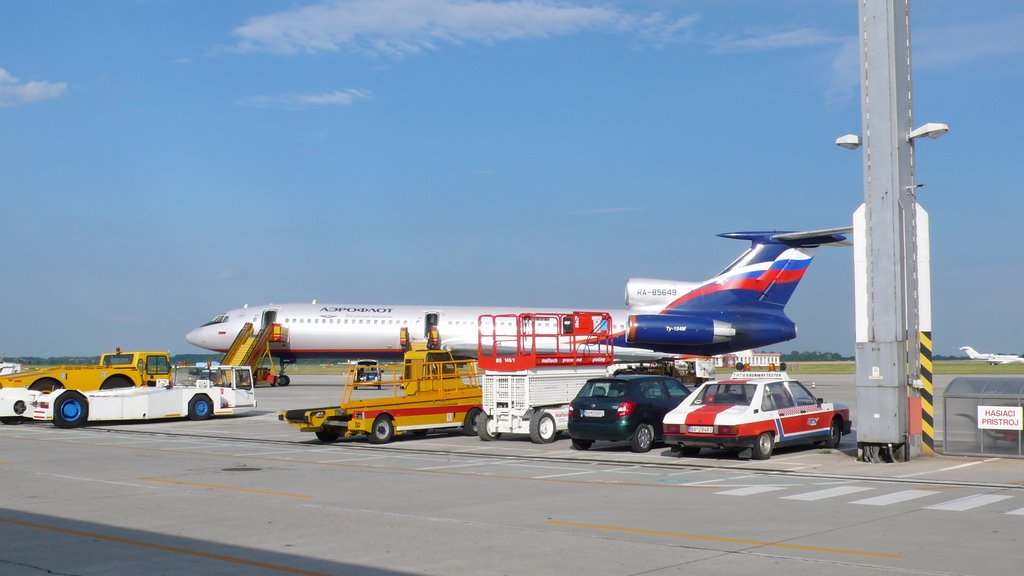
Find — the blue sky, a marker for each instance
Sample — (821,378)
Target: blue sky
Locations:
(164,161)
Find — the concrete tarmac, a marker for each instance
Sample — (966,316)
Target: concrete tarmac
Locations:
(251,495)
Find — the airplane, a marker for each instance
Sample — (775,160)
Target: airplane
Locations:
(992,358)
(741,308)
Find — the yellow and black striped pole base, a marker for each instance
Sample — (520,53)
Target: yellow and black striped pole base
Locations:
(927,396)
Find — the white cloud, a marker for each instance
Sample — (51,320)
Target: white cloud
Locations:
(303,101)
(846,70)
(400,27)
(969,42)
(14,93)
(774,40)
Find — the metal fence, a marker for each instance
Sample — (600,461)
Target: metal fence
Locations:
(983,416)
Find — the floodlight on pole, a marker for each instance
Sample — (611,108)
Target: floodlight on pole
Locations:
(849,141)
(931,130)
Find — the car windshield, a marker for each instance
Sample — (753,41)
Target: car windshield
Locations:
(728,393)
(604,389)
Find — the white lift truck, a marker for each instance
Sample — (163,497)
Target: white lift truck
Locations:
(535,364)
(196,393)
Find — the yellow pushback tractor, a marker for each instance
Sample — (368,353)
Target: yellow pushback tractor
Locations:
(429,390)
(115,370)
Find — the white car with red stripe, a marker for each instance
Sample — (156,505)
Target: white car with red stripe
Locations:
(754,411)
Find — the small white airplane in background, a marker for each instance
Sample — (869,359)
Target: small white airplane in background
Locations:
(9,368)
(992,358)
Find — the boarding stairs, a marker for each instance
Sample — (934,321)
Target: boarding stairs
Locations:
(251,347)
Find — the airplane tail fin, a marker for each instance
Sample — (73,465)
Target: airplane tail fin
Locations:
(766,274)
(971,352)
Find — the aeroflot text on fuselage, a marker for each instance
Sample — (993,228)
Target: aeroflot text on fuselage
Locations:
(343,309)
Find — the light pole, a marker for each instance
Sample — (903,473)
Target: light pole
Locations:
(890,241)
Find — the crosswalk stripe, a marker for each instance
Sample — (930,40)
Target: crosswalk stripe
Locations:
(750,490)
(828,493)
(895,497)
(969,502)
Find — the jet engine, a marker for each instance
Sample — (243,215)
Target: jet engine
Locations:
(670,329)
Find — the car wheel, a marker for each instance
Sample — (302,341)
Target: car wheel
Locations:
(763,446)
(481,428)
(642,438)
(383,430)
(578,444)
(835,433)
(200,408)
(284,380)
(327,435)
(71,410)
(543,429)
(469,425)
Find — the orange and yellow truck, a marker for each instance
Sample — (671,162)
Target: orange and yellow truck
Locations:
(429,390)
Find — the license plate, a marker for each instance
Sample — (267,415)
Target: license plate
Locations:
(700,429)
(593,413)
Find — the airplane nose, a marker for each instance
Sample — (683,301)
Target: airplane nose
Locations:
(196,338)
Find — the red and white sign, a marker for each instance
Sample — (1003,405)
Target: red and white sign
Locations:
(1001,417)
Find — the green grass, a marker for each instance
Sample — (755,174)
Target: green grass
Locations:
(939,367)
(967,367)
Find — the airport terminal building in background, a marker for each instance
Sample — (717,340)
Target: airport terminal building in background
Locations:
(750,357)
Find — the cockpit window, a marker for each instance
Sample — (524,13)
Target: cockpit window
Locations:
(218,320)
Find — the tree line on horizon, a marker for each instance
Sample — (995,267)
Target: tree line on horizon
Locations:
(178,359)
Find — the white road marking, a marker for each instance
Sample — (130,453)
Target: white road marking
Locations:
(464,465)
(828,493)
(949,468)
(969,502)
(627,470)
(353,459)
(895,497)
(268,452)
(750,490)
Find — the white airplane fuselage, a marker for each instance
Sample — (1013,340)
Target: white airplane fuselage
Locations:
(353,331)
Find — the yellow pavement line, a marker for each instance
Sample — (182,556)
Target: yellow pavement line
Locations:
(163,547)
(727,540)
(231,488)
